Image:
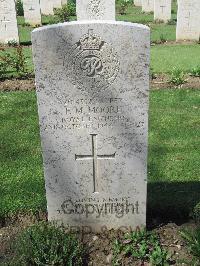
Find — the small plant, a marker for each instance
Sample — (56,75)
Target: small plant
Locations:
(162,38)
(192,238)
(13,61)
(143,246)
(65,12)
(19,8)
(12,43)
(177,77)
(122,6)
(152,73)
(46,244)
(171,22)
(195,72)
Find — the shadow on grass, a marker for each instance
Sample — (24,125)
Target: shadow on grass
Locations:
(171,202)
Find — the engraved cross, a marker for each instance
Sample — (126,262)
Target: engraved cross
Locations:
(95,157)
(188,18)
(5,21)
(162,8)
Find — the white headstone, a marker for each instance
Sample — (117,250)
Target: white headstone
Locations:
(57,3)
(32,12)
(8,21)
(138,2)
(162,10)
(92,89)
(64,2)
(95,9)
(147,5)
(46,7)
(188,20)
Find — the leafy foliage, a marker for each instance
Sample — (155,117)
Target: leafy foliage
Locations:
(65,12)
(122,6)
(15,61)
(177,77)
(196,213)
(192,238)
(195,72)
(142,245)
(45,244)
(19,8)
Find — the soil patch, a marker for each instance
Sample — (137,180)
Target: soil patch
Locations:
(17,84)
(99,246)
(160,81)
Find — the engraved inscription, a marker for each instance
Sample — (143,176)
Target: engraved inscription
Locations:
(92,63)
(95,157)
(95,9)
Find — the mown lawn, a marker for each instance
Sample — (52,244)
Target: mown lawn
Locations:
(133,14)
(163,58)
(173,165)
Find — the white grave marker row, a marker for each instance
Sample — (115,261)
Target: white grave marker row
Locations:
(162,10)
(8,21)
(188,20)
(32,12)
(147,5)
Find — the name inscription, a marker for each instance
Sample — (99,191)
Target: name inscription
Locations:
(89,113)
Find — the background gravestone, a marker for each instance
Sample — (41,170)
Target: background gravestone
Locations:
(188,20)
(32,12)
(8,21)
(147,5)
(138,2)
(162,10)
(46,7)
(57,3)
(95,9)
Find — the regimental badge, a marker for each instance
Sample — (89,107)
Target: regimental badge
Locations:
(92,63)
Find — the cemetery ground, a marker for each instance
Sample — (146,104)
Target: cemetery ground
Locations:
(173,159)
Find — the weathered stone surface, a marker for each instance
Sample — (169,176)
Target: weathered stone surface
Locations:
(162,10)
(63,2)
(95,9)
(8,21)
(57,3)
(188,20)
(138,2)
(32,12)
(92,88)
(46,7)
(147,5)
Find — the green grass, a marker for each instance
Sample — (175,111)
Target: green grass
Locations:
(174,162)
(173,166)
(164,58)
(159,31)
(22,184)
(133,14)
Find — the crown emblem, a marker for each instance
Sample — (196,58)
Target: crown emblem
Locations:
(90,41)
